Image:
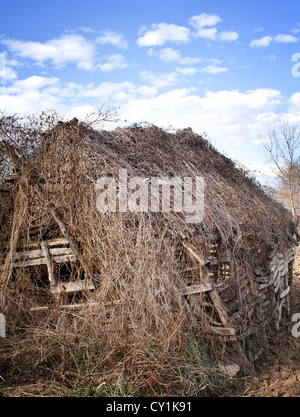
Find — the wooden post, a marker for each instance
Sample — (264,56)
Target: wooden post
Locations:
(49,263)
(215,298)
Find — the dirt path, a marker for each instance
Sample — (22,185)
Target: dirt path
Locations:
(278,371)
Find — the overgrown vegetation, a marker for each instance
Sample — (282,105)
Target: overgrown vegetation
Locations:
(138,338)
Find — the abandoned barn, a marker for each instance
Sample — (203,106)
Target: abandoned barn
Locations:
(228,276)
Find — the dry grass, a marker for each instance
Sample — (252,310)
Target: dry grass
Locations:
(143,343)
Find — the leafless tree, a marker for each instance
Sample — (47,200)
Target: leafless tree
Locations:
(281,146)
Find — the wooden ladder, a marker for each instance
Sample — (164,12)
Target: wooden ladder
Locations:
(49,253)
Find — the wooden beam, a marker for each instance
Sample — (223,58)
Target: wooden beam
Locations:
(50,243)
(215,298)
(68,287)
(35,254)
(196,289)
(224,331)
(194,254)
(49,263)
(42,261)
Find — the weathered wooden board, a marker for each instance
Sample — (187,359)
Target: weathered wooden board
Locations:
(196,289)
(38,253)
(75,286)
(42,261)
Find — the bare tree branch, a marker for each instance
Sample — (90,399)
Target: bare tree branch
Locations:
(281,146)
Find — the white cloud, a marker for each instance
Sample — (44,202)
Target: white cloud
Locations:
(161,33)
(106,90)
(169,55)
(6,73)
(187,71)
(69,48)
(160,80)
(213,69)
(261,43)
(282,38)
(207,33)
(189,60)
(228,36)
(239,115)
(30,95)
(266,41)
(112,38)
(204,20)
(174,55)
(113,62)
(204,25)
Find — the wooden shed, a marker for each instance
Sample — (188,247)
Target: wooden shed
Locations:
(230,274)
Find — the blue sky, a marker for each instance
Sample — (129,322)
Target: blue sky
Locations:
(220,67)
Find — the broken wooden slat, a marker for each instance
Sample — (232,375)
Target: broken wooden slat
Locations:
(224,331)
(194,254)
(49,263)
(35,254)
(196,289)
(42,261)
(64,307)
(78,305)
(72,286)
(215,298)
(50,243)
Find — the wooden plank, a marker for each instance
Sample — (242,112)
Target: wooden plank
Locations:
(64,307)
(219,307)
(65,258)
(33,254)
(196,289)
(49,263)
(68,287)
(194,254)
(56,242)
(61,251)
(224,331)
(32,262)
(42,261)
(50,243)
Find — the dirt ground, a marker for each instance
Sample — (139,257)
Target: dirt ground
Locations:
(278,371)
